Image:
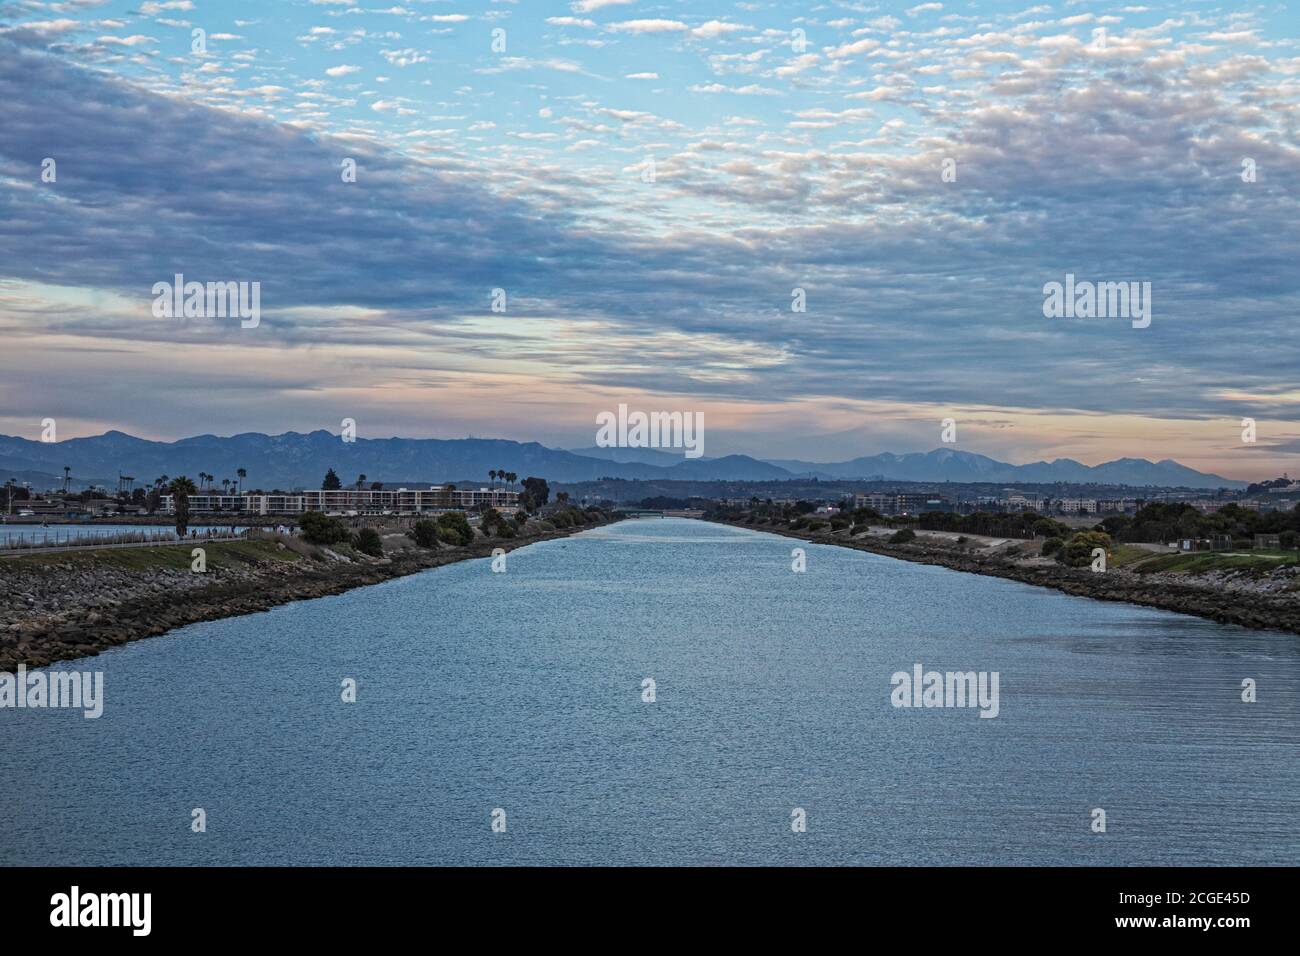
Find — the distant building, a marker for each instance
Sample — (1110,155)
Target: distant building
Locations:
(435,498)
(1268,541)
(887,504)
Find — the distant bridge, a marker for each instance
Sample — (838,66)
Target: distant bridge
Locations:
(661,513)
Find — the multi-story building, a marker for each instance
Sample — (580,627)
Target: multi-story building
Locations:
(347,500)
(1021,503)
(887,504)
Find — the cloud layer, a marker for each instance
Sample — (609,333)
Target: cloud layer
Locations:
(1113,157)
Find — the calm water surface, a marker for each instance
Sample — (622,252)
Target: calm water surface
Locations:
(523,691)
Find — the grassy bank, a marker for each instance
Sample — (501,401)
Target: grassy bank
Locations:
(220,555)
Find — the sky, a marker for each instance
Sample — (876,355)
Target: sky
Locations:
(649,184)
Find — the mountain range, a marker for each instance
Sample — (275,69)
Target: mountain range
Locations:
(294,460)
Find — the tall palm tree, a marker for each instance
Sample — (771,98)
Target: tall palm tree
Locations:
(225,486)
(242,473)
(181,488)
(493,476)
(511,476)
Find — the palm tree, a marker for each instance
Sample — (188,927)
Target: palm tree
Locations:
(242,473)
(181,488)
(225,486)
(493,476)
(511,476)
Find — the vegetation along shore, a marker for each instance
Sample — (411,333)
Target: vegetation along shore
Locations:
(76,604)
(1258,588)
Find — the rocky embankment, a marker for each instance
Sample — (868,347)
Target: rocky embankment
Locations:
(73,606)
(1268,600)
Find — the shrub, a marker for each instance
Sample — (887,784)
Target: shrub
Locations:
(367,541)
(1051,546)
(864,516)
(453,528)
(425,533)
(816,525)
(1077,552)
(319,528)
(903,536)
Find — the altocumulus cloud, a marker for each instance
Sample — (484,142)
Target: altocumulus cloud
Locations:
(918,291)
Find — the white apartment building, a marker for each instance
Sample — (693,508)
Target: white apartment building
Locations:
(435,498)
(1021,503)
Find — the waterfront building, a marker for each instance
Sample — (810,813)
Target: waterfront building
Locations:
(433,499)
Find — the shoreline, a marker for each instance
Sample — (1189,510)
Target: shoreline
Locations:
(171,598)
(1161,590)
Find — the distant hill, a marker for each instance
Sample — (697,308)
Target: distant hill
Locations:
(294,460)
(640,456)
(946,464)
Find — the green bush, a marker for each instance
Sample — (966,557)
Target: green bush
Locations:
(453,528)
(319,528)
(903,536)
(1051,546)
(425,533)
(367,541)
(1077,552)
